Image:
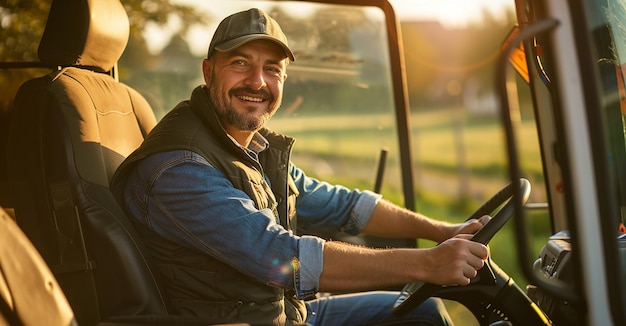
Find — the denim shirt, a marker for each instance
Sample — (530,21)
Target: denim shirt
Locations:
(180,196)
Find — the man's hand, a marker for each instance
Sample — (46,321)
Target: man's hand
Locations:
(456,260)
(468,227)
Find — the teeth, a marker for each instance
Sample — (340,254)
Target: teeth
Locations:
(250,98)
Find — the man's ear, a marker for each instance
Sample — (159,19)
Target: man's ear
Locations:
(207,70)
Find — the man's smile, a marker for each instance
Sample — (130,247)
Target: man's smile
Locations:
(250,98)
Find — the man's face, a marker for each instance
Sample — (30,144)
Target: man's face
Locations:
(246,85)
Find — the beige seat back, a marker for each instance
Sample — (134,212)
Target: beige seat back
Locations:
(68,133)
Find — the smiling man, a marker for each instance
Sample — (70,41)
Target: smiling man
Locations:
(215,197)
(251,87)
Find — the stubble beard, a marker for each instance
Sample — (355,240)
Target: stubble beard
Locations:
(241,121)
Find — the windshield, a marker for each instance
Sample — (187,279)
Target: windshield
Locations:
(606,23)
(607,30)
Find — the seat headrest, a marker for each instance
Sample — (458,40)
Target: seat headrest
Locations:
(91,33)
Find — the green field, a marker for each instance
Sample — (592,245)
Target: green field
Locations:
(460,162)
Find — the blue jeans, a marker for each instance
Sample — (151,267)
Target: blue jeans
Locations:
(372,308)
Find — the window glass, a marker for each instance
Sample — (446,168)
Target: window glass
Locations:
(338,100)
(608,32)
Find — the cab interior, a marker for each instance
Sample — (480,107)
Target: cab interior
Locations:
(71,125)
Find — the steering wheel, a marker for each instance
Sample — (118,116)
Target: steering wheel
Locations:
(413,294)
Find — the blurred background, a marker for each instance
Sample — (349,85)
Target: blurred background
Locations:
(450,51)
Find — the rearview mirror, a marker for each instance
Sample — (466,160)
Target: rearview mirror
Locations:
(518,56)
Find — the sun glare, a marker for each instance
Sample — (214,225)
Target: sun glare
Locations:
(450,13)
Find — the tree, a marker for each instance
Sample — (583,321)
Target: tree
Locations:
(22,23)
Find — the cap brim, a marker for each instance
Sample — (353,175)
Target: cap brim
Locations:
(237,42)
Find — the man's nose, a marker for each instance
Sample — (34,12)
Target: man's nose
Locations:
(255,78)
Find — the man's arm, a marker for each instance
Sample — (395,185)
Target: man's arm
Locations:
(454,261)
(354,212)
(354,268)
(348,268)
(389,220)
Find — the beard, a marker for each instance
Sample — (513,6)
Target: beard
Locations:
(241,120)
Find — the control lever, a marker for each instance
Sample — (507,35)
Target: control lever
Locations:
(382,160)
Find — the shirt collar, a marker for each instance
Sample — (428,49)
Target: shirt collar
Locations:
(256,146)
(258,143)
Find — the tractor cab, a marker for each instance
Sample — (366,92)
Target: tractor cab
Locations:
(534,136)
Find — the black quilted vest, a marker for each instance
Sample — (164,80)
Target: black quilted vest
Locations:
(193,282)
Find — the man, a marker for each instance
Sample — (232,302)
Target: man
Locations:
(214,195)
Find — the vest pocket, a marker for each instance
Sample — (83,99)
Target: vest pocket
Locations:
(220,311)
(222,294)
(270,313)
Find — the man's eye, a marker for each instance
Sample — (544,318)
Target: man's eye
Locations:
(273,70)
(238,62)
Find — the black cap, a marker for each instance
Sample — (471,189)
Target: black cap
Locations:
(242,27)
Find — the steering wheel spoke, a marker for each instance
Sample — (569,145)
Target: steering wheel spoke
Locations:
(486,275)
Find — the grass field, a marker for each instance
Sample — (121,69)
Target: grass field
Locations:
(459,162)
